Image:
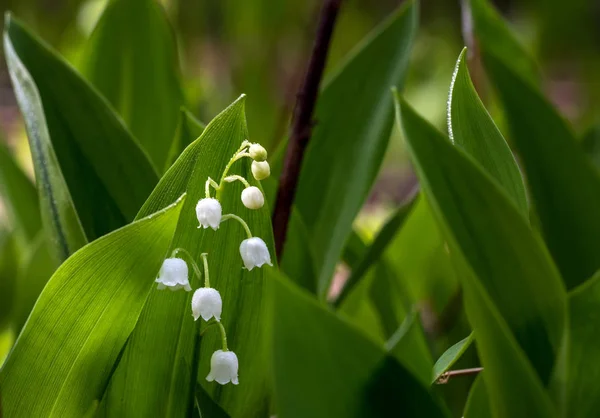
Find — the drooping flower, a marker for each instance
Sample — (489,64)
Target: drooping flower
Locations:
(260,170)
(223,367)
(207,303)
(208,212)
(173,275)
(254,253)
(257,152)
(253,198)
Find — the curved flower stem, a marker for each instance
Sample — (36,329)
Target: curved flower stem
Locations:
(191,260)
(206,277)
(240,220)
(239,154)
(221,329)
(232,178)
(223,336)
(210,182)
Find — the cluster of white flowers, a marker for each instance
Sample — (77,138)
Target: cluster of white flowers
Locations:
(206,301)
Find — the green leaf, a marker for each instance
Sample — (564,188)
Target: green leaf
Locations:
(409,347)
(472,128)
(564,184)
(63,358)
(107,173)
(188,130)
(145,384)
(502,264)
(493,33)
(324,367)
(19,197)
(131,58)
(478,404)
(297,261)
(450,356)
(8,273)
(59,215)
(378,247)
(35,271)
(584,355)
(355,115)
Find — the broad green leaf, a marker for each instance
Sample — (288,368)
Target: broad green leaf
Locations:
(19,196)
(131,58)
(355,115)
(107,173)
(502,264)
(377,248)
(324,367)
(7,339)
(9,267)
(58,212)
(584,355)
(409,347)
(492,32)
(472,128)
(450,356)
(63,357)
(478,404)
(297,261)
(188,130)
(145,384)
(564,184)
(35,271)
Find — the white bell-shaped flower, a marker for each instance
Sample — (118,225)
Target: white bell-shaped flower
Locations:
(254,253)
(207,303)
(253,198)
(223,367)
(260,170)
(209,212)
(173,275)
(257,152)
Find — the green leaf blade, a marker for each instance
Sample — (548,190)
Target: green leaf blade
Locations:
(131,58)
(355,115)
(471,127)
(63,358)
(107,174)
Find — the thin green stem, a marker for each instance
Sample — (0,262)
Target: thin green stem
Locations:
(234,177)
(240,220)
(206,277)
(223,336)
(191,260)
(210,182)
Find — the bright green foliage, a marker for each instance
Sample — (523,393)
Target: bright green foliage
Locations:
(63,358)
(188,130)
(451,356)
(501,271)
(80,146)
(331,370)
(471,127)
(148,384)
(355,115)
(131,58)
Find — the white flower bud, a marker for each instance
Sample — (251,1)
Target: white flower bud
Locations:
(173,275)
(223,367)
(253,198)
(260,170)
(208,212)
(254,253)
(257,152)
(207,303)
